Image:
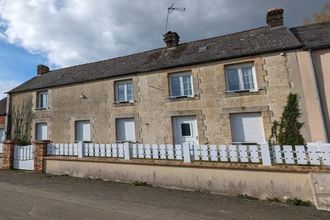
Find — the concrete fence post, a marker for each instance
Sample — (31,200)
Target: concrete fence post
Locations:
(186,153)
(127,155)
(8,155)
(265,155)
(80,149)
(40,152)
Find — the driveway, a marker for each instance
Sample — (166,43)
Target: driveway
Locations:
(38,196)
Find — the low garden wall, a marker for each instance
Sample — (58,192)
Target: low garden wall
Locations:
(252,181)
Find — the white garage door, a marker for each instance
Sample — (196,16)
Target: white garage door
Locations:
(125,129)
(83,131)
(41,131)
(247,128)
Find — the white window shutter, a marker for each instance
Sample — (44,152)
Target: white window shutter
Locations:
(126,129)
(247,128)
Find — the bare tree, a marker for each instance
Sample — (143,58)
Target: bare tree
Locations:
(20,123)
(322,16)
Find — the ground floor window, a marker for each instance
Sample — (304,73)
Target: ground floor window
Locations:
(41,131)
(82,131)
(125,129)
(247,128)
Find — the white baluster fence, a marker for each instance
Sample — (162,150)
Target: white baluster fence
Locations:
(311,154)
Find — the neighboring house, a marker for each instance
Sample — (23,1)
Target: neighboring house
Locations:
(226,89)
(3,109)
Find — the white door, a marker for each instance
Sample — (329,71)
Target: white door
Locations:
(125,129)
(41,131)
(185,130)
(247,128)
(2,135)
(83,131)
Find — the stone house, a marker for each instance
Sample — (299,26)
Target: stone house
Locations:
(225,89)
(3,110)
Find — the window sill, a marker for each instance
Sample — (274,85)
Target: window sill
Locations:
(41,109)
(124,103)
(244,92)
(182,98)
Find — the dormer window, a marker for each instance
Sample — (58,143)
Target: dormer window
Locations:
(181,85)
(124,91)
(42,100)
(241,78)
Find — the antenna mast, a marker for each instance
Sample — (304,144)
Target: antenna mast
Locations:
(170,10)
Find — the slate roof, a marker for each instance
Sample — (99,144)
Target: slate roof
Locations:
(3,106)
(315,36)
(251,42)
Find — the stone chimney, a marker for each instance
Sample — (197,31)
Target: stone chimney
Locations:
(171,39)
(275,17)
(42,69)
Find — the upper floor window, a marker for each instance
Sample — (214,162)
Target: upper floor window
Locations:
(42,100)
(241,77)
(124,91)
(181,85)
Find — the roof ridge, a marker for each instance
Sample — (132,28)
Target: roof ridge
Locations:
(308,25)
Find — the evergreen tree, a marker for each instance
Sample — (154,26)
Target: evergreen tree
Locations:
(287,131)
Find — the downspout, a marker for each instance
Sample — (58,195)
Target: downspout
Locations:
(8,114)
(319,102)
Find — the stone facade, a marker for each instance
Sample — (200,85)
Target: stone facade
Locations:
(277,75)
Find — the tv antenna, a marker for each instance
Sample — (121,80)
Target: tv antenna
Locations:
(170,10)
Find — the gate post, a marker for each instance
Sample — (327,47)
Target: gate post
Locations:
(40,151)
(8,155)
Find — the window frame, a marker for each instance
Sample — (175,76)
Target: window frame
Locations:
(239,68)
(36,130)
(117,121)
(76,131)
(39,94)
(181,75)
(125,83)
(231,117)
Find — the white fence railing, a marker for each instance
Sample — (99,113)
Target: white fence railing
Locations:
(312,154)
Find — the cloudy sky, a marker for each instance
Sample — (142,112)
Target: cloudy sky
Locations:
(62,33)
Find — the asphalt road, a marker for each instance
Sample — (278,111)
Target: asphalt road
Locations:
(37,196)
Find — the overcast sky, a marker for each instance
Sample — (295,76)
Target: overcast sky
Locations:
(62,33)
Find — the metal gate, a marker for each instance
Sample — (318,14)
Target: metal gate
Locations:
(24,157)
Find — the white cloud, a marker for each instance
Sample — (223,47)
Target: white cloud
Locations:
(6,85)
(69,32)
(76,31)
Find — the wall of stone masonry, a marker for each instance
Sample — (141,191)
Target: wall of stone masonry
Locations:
(277,75)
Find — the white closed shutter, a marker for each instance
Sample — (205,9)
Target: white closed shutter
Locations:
(125,129)
(247,128)
(41,131)
(2,135)
(83,131)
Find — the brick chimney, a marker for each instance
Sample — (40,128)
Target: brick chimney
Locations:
(171,39)
(42,69)
(275,17)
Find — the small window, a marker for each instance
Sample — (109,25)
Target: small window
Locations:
(241,78)
(82,131)
(42,100)
(185,130)
(41,131)
(181,85)
(124,91)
